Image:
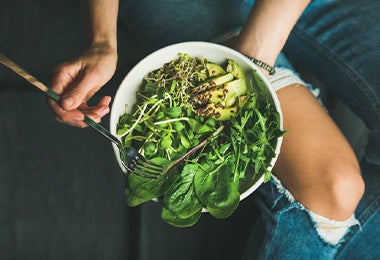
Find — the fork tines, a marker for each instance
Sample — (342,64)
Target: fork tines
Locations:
(147,168)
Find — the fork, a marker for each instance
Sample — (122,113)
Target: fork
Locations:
(130,158)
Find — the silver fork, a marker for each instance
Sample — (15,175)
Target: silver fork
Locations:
(131,159)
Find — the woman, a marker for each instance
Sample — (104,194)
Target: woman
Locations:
(318,183)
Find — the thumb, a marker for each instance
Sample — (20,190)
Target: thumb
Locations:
(79,93)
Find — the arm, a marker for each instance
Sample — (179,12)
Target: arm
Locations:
(79,79)
(100,18)
(268,27)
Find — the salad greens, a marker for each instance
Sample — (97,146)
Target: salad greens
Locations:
(214,126)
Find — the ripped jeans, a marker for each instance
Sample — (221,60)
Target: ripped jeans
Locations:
(285,230)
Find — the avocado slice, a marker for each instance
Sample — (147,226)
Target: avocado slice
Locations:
(214,69)
(217,111)
(226,95)
(214,82)
(235,89)
(234,68)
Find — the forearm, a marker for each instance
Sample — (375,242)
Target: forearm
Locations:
(268,27)
(100,21)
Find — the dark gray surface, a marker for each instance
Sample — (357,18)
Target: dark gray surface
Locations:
(61,192)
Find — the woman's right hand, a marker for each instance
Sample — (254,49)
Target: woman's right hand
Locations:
(77,80)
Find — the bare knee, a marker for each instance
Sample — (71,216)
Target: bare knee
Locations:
(343,187)
(347,188)
(316,163)
(332,188)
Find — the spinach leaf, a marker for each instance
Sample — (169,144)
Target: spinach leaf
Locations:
(150,188)
(176,221)
(132,199)
(217,190)
(180,199)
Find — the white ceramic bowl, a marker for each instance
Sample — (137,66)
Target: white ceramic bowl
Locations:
(126,93)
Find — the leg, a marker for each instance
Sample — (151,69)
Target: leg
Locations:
(318,167)
(316,164)
(339,42)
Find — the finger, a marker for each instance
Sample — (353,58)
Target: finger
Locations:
(105,101)
(102,108)
(72,117)
(82,91)
(96,112)
(63,76)
(76,117)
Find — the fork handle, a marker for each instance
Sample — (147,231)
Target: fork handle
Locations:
(102,130)
(53,95)
(26,75)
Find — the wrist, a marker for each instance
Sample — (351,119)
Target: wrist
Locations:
(103,52)
(256,49)
(103,45)
(266,68)
(102,40)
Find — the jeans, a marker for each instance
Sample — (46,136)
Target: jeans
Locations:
(338,41)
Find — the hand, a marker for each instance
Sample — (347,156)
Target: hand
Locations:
(78,80)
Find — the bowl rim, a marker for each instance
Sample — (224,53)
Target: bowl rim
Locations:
(114,115)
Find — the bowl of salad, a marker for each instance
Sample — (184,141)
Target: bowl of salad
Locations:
(206,113)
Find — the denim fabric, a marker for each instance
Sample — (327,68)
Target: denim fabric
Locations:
(363,243)
(170,21)
(285,230)
(338,41)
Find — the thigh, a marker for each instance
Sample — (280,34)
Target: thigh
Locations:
(314,155)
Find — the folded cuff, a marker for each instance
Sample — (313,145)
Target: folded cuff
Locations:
(283,78)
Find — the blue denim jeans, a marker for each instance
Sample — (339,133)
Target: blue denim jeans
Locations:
(338,41)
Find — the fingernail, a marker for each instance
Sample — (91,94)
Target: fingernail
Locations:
(104,111)
(67,102)
(79,118)
(108,100)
